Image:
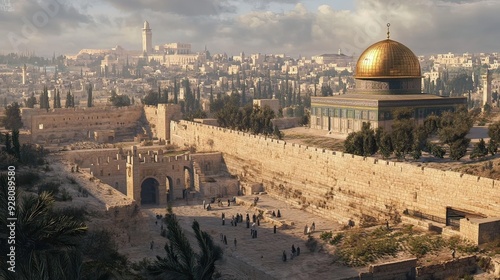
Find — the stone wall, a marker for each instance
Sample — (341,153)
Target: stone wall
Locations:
(454,269)
(404,269)
(338,185)
(211,178)
(111,172)
(66,124)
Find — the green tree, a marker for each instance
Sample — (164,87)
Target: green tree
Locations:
(12,119)
(54,100)
(362,143)
(150,99)
(402,135)
(46,244)
(494,131)
(480,150)
(58,100)
(326,90)
(44,99)
(458,148)
(176,92)
(181,262)
(119,100)
(89,96)
(31,101)
(69,100)
(369,141)
(353,144)
(277,132)
(16,147)
(453,130)
(385,146)
(8,143)
(492,147)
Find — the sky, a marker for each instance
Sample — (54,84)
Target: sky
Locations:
(292,27)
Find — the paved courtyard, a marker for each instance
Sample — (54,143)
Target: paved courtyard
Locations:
(253,258)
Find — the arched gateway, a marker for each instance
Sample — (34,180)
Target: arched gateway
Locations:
(153,178)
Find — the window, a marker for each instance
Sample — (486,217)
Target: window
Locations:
(40,126)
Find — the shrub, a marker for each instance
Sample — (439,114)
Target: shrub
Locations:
(27,178)
(326,235)
(50,187)
(336,239)
(422,244)
(65,196)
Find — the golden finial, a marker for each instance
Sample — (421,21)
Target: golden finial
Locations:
(388,31)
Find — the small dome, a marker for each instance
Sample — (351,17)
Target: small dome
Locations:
(146,25)
(388,59)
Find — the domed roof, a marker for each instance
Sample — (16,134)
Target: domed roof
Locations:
(388,59)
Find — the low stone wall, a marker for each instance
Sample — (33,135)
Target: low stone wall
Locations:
(453,269)
(404,269)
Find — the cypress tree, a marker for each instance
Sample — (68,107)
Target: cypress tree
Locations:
(8,143)
(15,143)
(176,90)
(68,100)
(243,96)
(89,96)
(54,100)
(58,97)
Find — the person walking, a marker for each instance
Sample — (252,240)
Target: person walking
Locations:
(283,257)
(151,245)
(225,240)
(274,229)
(235,243)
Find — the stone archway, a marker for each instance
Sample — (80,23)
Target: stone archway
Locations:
(150,191)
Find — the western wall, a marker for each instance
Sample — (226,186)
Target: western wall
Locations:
(343,186)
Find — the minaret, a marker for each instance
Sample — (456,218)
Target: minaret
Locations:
(147,38)
(24,74)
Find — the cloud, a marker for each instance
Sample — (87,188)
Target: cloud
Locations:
(180,7)
(30,21)
(426,26)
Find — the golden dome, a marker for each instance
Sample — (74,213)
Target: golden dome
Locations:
(388,59)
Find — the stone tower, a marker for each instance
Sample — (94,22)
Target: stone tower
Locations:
(167,113)
(147,38)
(486,78)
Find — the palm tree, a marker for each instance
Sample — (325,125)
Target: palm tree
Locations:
(181,262)
(46,242)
